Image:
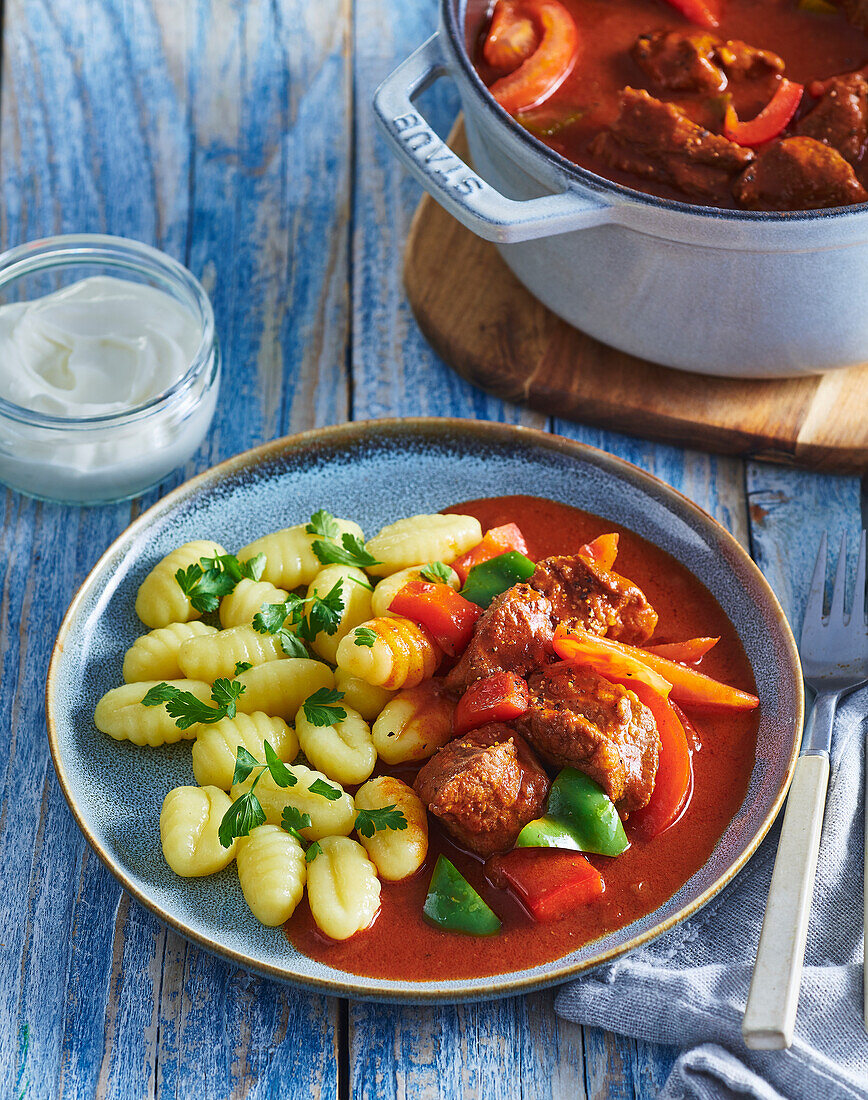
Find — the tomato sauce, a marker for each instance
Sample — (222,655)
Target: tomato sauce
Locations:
(813,46)
(401,944)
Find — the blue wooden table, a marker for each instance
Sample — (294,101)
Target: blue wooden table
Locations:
(237,135)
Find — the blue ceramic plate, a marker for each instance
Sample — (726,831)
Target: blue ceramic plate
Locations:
(375,473)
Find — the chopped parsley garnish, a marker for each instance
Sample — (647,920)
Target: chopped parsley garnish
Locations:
(324,617)
(246,811)
(188,710)
(242,666)
(320,787)
(207,581)
(369,822)
(364,636)
(351,552)
(325,613)
(436,572)
(323,523)
(319,708)
(292,821)
(313,851)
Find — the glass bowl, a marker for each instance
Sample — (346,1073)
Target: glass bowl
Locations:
(105,458)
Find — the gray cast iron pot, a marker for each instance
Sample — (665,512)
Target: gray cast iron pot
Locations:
(716,291)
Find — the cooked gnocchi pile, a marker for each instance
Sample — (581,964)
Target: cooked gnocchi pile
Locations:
(300,680)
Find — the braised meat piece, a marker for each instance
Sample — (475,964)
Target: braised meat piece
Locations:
(700,62)
(856,11)
(799,173)
(581,720)
(840,119)
(485,787)
(602,603)
(515,633)
(658,141)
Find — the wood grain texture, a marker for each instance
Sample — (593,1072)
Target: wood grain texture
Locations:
(498,336)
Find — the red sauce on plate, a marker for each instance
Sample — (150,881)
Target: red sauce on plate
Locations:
(402,945)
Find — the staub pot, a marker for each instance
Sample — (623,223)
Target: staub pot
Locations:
(717,291)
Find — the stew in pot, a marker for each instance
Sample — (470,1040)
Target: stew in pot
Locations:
(750,104)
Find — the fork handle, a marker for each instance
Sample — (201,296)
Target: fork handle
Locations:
(770,1016)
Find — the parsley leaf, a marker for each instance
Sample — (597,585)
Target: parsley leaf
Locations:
(323,523)
(389,817)
(269,619)
(292,821)
(318,709)
(351,552)
(291,644)
(436,572)
(205,583)
(323,788)
(280,773)
(364,636)
(242,666)
(187,709)
(244,814)
(312,852)
(325,613)
(245,762)
(362,583)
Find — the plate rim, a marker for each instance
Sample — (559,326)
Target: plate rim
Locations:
(401,991)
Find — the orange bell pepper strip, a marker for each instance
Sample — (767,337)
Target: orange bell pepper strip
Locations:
(440,609)
(550,882)
(511,37)
(617,661)
(550,63)
(772,120)
(601,551)
(698,12)
(686,653)
(495,541)
(497,698)
(673,784)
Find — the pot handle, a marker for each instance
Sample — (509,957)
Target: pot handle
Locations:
(450,181)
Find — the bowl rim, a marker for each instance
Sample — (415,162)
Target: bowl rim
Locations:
(356,985)
(455,36)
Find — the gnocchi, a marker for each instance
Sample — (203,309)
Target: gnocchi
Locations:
(328,817)
(401,653)
(216,746)
(280,687)
(272,872)
(414,725)
(344,751)
(214,655)
(160,599)
(417,540)
(366,698)
(389,587)
(189,824)
(246,599)
(290,560)
(122,715)
(356,595)
(342,888)
(396,853)
(154,656)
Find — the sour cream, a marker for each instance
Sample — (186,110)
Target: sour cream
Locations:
(99,346)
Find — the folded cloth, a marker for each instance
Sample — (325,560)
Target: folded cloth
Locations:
(689,987)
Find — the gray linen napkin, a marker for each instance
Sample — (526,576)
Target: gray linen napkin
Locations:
(689,987)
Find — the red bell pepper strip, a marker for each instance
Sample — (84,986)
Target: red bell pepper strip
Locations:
(440,609)
(615,660)
(673,784)
(772,120)
(686,653)
(498,698)
(550,882)
(511,37)
(495,541)
(698,12)
(601,551)
(545,70)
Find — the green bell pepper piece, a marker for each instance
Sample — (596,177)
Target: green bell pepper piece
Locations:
(579,815)
(453,904)
(490,578)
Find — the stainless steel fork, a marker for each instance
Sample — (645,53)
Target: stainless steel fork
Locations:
(834,654)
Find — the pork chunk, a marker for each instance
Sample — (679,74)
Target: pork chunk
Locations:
(659,142)
(485,788)
(578,719)
(601,603)
(515,633)
(840,119)
(799,173)
(700,62)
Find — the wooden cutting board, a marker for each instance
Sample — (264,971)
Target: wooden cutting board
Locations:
(494,333)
